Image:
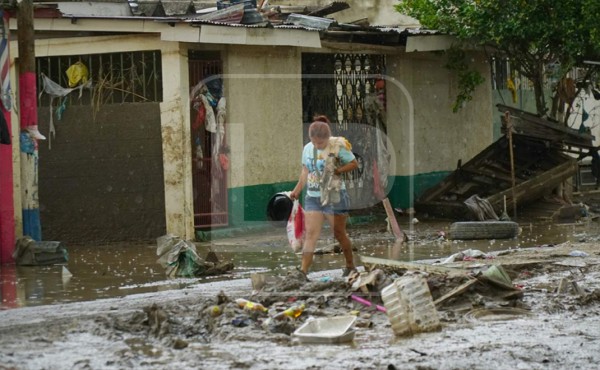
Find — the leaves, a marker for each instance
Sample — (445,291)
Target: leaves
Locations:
(532,33)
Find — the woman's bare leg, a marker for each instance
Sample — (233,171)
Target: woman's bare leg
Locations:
(338,224)
(313,222)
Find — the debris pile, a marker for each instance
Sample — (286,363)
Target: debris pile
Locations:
(29,252)
(388,298)
(180,258)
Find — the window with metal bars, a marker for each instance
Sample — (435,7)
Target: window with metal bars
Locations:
(502,71)
(130,77)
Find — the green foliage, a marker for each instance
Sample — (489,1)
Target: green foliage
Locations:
(468,79)
(532,33)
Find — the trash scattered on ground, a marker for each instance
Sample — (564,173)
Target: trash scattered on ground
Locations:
(259,280)
(180,259)
(578,254)
(409,306)
(465,296)
(368,303)
(466,255)
(29,252)
(327,330)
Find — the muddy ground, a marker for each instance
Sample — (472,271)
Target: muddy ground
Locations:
(551,321)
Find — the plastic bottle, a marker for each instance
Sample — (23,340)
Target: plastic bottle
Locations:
(249,305)
(293,312)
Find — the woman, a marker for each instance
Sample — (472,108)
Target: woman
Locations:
(324,159)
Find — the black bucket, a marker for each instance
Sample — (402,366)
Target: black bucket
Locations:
(279,209)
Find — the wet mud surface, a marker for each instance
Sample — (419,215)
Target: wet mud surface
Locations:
(138,319)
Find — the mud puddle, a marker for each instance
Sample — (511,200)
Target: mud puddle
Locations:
(95,272)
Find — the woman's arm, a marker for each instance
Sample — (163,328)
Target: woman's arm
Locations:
(300,185)
(350,166)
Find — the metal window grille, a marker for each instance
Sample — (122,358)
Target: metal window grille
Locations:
(131,77)
(337,85)
(502,71)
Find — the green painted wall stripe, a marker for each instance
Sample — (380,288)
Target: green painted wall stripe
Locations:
(248,204)
(399,194)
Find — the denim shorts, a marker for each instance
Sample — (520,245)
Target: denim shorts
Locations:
(313,204)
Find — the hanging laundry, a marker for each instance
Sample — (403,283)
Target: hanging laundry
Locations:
(210,120)
(584,116)
(199,154)
(200,117)
(219,136)
(197,90)
(211,99)
(510,85)
(56,91)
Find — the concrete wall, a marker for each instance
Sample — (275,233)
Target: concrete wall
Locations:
(432,141)
(264,92)
(439,136)
(264,123)
(264,89)
(174,116)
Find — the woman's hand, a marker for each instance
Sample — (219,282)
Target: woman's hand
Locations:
(294,194)
(350,166)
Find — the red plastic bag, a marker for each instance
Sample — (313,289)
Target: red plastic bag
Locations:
(295,227)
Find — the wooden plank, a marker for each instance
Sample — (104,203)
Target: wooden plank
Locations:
(398,233)
(534,126)
(456,291)
(411,266)
(554,126)
(537,186)
(492,175)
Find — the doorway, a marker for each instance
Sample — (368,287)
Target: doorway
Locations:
(209,145)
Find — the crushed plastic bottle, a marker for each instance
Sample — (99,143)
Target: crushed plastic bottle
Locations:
(293,312)
(249,305)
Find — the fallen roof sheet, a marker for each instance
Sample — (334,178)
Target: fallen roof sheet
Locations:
(330,8)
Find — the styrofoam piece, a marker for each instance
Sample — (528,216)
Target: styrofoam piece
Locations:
(327,330)
(409,305)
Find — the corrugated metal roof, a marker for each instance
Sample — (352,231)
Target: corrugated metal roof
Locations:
(176,7)
(333,7)
(149,9)
(155,10)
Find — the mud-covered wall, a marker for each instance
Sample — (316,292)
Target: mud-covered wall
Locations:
(102,180)
(428,145)
(264,122)
(437,138)
(264,90)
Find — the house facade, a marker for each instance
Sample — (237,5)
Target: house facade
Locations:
(134,160)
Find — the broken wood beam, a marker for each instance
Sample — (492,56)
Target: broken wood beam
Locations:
(398,233)
(456,291)
(412,266)
(489,174)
